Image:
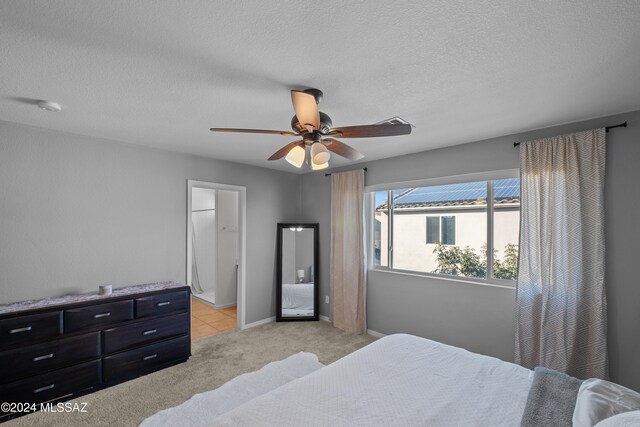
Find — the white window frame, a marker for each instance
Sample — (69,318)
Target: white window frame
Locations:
(489,177)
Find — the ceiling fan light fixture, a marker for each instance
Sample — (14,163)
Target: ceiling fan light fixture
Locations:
(296,156)
(319,167)
(319,154)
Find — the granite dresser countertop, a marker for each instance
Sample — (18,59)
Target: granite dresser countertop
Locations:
(91,296)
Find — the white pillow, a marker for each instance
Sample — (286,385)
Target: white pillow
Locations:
(626,419)
(599,399)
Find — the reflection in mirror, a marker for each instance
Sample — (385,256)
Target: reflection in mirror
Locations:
(297,290)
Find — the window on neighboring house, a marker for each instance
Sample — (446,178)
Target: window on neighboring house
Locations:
(465,235)
(433,229)
(441,229)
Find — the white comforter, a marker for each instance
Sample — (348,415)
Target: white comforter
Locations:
(297,296)
(204,407)
(397,380)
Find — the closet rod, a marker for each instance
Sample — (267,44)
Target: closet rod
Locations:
(621,125)
(328,174)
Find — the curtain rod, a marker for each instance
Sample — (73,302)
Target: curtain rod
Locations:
(328,174)
(621,125)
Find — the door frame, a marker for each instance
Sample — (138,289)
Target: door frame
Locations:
(242,239)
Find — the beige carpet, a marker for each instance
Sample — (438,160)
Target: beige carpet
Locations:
(215,360)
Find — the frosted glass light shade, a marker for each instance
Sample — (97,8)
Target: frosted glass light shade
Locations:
(319,154)
(319,167)
(296,156)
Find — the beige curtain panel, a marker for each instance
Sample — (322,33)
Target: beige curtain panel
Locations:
(348,252)
(561,309)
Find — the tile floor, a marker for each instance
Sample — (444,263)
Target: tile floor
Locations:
(207,320)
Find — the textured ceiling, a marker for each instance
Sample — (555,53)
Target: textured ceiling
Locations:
(160,73)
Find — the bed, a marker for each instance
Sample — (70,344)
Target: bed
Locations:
(297,299)
(397,380)
(402,380)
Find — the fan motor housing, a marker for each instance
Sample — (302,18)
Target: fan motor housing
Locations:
(312,137)
(317,94)
(325,124)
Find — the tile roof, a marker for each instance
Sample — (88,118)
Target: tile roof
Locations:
(468,193)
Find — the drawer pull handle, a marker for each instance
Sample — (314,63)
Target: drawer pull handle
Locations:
(150,331)
(46,356)
(160,304)
(97,316)
(151,356)
(25,329)
(47,387)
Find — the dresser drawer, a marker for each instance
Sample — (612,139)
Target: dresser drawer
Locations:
(35,359)
(141,361)
(54,384)
(96,316)
(26,329)
(155,305)
(140,333)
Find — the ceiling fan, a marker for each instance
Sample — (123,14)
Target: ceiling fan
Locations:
(315,128)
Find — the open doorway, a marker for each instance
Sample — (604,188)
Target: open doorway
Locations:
(215,256)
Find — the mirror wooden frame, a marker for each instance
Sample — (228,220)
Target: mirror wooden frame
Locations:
(316,283)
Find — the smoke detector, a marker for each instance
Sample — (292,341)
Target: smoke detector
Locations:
(49,106)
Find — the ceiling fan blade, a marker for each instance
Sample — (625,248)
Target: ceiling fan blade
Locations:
(370,131)
(285,150)
(306,109)
(275,132)
(342,149)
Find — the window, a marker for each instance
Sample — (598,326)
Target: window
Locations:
(449,229)
(433,229)
(444,226)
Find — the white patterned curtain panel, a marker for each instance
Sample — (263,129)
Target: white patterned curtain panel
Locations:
(561,309)
(347,265)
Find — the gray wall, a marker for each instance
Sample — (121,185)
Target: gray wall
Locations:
(481,318)
(297,254)
(304,252)
(288,256)
(316,207)
(76,212)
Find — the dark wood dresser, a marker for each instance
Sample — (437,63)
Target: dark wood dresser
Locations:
(61,348)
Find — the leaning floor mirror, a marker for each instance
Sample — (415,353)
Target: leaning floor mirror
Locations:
(297,278)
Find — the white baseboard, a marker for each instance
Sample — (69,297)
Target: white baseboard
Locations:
(375,334)
(369,331)
(260,322)
(220,307)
